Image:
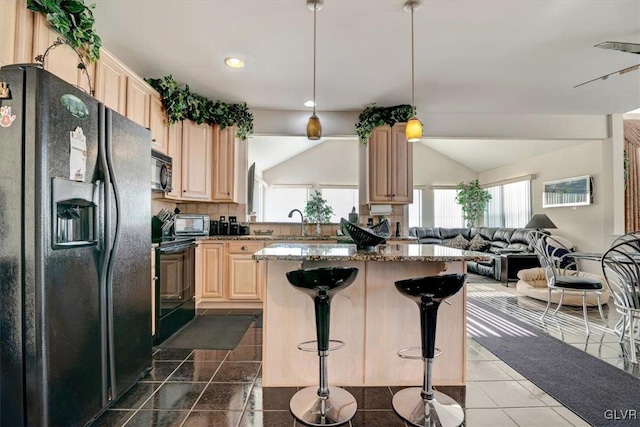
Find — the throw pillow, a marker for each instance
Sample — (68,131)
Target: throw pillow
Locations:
(479,244)
(458,242)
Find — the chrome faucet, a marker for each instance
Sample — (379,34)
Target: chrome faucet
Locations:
(302,233)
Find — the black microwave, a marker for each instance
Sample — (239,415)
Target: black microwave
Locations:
(160,172)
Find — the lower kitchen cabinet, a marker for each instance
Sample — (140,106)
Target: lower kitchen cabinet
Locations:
(227,276)
(245,276)
(210,271)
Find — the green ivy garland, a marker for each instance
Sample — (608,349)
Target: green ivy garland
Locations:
(73,20)
(182,104)
(373,116)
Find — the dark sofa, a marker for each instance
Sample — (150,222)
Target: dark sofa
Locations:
(500,241)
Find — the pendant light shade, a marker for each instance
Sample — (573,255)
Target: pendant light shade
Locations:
(314,127)
(413,131)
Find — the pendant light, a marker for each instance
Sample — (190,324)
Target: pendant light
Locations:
(314,127)
(413,130)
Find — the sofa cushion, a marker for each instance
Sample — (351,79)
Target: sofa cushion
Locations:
(458,242)
(450,233)
(487,233)
(503,235)
(479,244)
(425,232)
(520,235)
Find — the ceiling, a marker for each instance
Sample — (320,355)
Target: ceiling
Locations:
(472,56)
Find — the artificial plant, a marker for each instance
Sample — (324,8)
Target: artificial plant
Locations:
(181,103)
(373,116)
(473,200)
(317,210)
(74,21)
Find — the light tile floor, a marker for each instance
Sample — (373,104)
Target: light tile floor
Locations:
(224,388)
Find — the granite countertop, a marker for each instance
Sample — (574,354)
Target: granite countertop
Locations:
(305,238)
(348,252)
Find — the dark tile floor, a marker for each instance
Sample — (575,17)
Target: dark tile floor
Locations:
(195,387)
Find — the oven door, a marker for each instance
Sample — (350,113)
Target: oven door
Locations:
(175,288)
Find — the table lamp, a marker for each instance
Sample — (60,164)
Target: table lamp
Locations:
(540,221)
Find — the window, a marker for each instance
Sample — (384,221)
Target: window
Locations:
(415,209)
(278,202)
(510,205)
(342,200)
(446,211)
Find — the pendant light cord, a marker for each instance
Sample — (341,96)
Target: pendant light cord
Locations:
(413,91)
(315,10)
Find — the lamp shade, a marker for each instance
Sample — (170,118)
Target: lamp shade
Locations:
(413,130)
(540,221)
(314,128)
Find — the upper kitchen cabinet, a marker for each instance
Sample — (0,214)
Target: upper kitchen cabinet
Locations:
(389,166)
(197,144)
(17,32)
(111,82)
(62,60)
(224,158)
(138,106)
(174,150)
(159,126)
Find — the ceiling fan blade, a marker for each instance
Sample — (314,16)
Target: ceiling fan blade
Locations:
(621,46)
(606,76)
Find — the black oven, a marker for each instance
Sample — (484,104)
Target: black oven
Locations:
(175,286)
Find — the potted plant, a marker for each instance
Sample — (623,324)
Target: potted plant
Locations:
(473,200)
(317,210)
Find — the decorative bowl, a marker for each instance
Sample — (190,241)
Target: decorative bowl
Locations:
(382,228)
(364,238)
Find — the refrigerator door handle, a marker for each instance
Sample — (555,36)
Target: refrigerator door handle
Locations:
(112,253)
(105,250)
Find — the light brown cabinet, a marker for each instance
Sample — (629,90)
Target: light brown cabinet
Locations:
(246,276)
(17,32)
(210,271)
(159,125)
(111,82)
(196,160)
(137,100)
(61,60)
(390,166)
(174,150)
(224,158)
(226,274)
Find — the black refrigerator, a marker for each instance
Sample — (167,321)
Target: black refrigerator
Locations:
(75,256)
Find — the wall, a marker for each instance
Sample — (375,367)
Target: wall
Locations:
(432,168)
(585,226)
(333,162)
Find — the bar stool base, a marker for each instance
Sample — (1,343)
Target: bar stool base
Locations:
(305,407)
(443,410)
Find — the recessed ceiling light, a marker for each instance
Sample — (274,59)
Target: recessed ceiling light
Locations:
(234,62)
(310,104)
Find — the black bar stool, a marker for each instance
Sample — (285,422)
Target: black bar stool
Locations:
(424,406)
(322,406)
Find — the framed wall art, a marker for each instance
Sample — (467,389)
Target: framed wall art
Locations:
(577,191)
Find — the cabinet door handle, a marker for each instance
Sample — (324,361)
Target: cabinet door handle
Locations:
(154,140)
(244,248)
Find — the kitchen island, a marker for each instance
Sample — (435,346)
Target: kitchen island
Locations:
(373,319)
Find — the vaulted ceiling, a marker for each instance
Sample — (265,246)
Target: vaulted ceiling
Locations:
(472,57)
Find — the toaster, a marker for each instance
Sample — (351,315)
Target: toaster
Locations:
(191,225)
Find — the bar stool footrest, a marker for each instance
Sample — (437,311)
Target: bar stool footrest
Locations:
(312,346)
(415,353)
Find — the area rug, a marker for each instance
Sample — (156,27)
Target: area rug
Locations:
(211,332)
(593,389)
